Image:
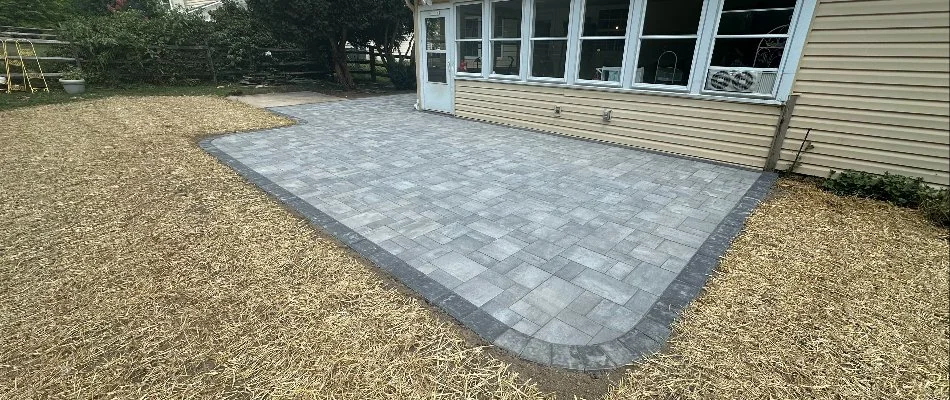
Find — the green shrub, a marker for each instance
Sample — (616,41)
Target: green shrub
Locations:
(237,37)
(72,72)
(131,46)
(899,190)
(937,208)
(402,74)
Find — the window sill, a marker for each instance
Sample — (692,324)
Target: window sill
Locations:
(649,92)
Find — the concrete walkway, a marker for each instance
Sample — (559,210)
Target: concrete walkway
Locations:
(564,252)
(268,100)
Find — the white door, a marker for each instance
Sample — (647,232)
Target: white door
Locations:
(437,70)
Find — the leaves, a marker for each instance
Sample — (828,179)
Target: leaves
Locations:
(899,190)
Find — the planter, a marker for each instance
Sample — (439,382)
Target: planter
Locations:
(74,86)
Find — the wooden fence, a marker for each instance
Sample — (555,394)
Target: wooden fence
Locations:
(285,62)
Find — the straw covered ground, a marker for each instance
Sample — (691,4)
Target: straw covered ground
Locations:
(133,265)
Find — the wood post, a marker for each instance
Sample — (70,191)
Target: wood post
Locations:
(780,130)
(372,63)
(214,73)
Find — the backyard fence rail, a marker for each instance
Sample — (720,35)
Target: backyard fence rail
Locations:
(168,63)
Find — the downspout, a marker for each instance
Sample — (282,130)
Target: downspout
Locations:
(415,48)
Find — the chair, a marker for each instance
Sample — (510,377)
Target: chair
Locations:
(770,50)
(668,74)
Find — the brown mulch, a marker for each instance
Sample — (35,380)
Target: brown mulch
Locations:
(821,297)
(133,265)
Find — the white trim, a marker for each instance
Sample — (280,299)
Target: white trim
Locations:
(527,17)
(790,35)
(798,35)
(754,36)
(631,52)
(573,43)
(531,39)
(700,25)
(758,9)
(663,93)
(445,11)
(586,82)
(546,79)
(648,37)
(704,46)
(487,17)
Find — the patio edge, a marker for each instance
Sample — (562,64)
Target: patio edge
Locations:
(648,336)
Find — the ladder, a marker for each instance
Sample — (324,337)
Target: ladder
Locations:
(30,81)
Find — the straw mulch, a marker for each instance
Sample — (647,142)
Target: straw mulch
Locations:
(133,265)
(821,297)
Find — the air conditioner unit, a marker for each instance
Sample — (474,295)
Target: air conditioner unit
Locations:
(740,80)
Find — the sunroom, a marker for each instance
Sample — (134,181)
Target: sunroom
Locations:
(573,66)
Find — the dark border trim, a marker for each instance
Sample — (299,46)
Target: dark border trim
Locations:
(647,337)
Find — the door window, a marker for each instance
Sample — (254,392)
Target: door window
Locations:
(435,50)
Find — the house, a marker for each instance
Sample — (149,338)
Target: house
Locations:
(204,7)
(735,81)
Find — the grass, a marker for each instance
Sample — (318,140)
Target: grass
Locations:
(134,265)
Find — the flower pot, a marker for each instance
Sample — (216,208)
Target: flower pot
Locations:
(74,86)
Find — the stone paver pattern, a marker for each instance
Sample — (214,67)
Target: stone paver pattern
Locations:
(562,241)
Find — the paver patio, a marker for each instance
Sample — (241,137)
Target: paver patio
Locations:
(565,252)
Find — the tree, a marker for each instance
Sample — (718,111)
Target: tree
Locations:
(326,24)
(392,25)
(104,7)
(40,13)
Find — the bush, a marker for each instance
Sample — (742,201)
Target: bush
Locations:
(130,46)
(237,36)
(895,189)
(402,74)
(937,208)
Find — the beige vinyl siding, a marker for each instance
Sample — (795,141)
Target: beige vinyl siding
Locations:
(735,133)
(874,87)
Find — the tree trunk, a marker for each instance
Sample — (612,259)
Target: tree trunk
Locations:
(340,67)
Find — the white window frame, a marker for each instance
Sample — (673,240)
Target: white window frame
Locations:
(459,41)
(579,38)
(521,39)
(702,56)
(638,42)
(714,34)
(531,39)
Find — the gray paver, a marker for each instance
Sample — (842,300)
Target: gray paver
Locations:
(557,331)
(478,291)
(528,275)
(554,295)
(651,278)
(459,266)
(565,240)
(605,286)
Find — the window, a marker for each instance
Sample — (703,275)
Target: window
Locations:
(731,48)
(602,40)
(435,50)
(749,45)
(469,17)
(668,42)
(506,37)
(549,38)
